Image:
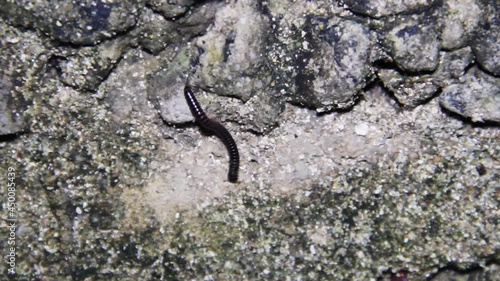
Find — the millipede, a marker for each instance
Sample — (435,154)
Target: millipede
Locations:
(217,129)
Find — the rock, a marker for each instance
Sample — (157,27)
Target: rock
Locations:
(485,44)
(230,60)
(477,97)
(337,68)
(171,9)
(409,90)
(77,22)
(124,91)
(169,100)
(86,67)
(22,54)
(459,18)
(320,60)
(155,33)
(11,119)
(261,113)
(413,90)
(198,19)
(361,129)
(157,30)
(413,43)
(232,52)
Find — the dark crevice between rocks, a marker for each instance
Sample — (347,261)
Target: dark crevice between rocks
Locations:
(480,67)
(384,64)
(421,102)
(172,19)
(485,124)
(343,110)
(76,46)
(191,7)
(471,272)
(262,6)
(470,66)
(9,137)
(54,62)
(410,12)
(304,78)
(226,51)
(389,95)
(393,274)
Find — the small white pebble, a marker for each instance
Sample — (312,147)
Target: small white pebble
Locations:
(312,249)
(361,129)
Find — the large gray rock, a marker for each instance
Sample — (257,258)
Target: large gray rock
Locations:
(317,58)
(171,9)
(231,62)
(230,53)
(476,97)
(85,22)
(487,35)
(11,112)
(85,68)
(460,20)
(21,57)
(413,43)
(413,90)
(332,66)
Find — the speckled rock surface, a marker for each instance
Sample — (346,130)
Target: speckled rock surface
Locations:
(124,92)
(413,90)
(320,60)
(378,8)
(155,32)
(413,43)
(461,18)
(85,22)
(166,89)
(477,97)
(171,9)
(486,47)
(21,55)
(113,181)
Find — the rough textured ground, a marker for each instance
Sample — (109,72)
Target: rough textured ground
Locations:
(368,135)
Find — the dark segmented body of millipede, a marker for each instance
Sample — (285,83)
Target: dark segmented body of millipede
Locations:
(217,129)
